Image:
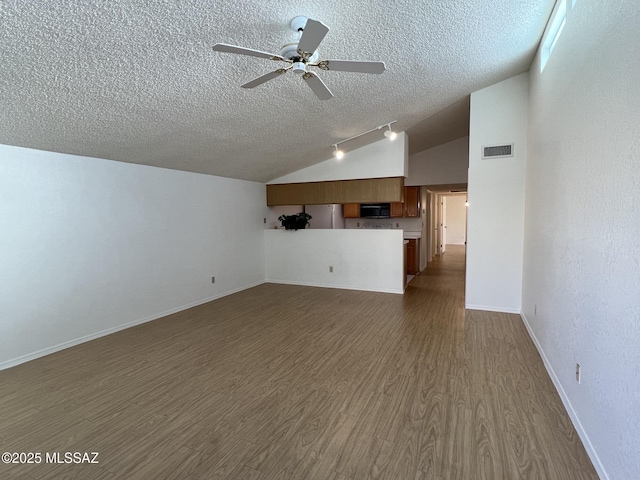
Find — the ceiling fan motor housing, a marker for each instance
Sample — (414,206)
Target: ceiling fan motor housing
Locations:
(290,52)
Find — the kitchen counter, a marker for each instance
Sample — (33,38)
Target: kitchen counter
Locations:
(354,254)
(413,235)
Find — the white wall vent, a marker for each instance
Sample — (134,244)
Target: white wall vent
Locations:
(497,151)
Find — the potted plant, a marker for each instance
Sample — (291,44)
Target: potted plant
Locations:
(299,221)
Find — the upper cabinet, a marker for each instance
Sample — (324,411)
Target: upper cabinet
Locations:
(351,210)
(396,210)
(369,190)
(411,201)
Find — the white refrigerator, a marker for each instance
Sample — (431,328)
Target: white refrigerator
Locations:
(325,216)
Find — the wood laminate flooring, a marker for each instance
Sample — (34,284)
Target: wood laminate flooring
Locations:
(287,382)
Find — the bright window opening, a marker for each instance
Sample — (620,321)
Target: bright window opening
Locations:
(558,19)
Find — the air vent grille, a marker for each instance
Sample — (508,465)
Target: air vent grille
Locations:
(495,151)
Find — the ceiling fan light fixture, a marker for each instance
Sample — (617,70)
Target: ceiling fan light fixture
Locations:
(299,68)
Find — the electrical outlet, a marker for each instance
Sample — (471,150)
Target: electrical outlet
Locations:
(358,224)
(264,220)
(330,268)
(397,225)
(213,279)
(578,372)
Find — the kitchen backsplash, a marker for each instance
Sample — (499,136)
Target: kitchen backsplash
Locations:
(408,224)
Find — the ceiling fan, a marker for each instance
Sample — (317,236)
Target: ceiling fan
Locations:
(301,55)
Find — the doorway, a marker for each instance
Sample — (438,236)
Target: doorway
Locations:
(454,219)
(446,221)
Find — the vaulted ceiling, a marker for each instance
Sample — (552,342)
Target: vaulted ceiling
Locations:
(138,81)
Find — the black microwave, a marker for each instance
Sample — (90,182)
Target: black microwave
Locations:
(375,210)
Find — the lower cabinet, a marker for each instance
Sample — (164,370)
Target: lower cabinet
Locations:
(413,259)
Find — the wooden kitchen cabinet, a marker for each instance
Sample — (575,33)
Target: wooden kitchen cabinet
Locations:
(367,190)
(396,209)
(351,210)
(413,260)
(411,201)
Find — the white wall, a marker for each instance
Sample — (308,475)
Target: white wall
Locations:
(91,246)
(582,249)
(361,259)
(456,219)
(380,159)
(446,163)
(495,216)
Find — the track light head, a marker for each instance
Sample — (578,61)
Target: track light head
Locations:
(339,154)
(390,134)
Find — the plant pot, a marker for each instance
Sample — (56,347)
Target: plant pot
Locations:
(301,224)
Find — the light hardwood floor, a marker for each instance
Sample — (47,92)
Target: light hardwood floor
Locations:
(285,382)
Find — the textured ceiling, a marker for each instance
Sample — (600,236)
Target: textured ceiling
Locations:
(137,81)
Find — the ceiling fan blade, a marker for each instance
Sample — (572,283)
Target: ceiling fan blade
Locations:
(223,47)
(264,78)
(317,85)
(351,66)
(313,33)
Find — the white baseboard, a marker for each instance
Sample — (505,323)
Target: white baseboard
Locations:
(342,287)
(567,404)
(86,338)
(486,308)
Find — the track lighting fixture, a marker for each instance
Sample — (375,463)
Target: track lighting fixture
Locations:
(390,134)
